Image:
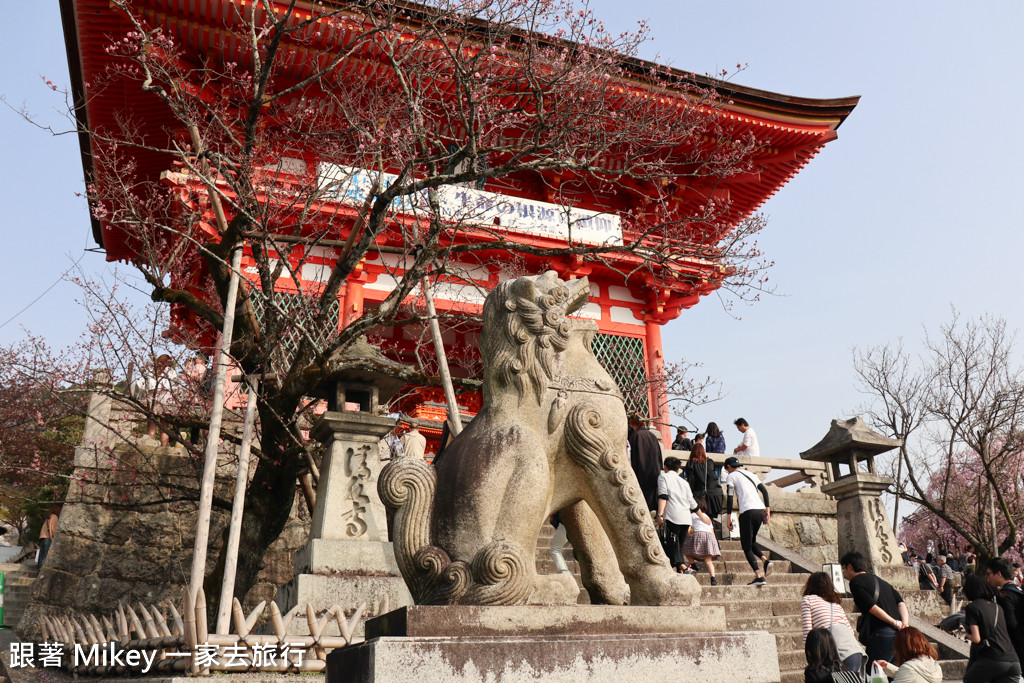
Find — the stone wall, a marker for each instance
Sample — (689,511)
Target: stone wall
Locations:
(128,525)
(804,521)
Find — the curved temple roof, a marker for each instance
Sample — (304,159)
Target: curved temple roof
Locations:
(800,126)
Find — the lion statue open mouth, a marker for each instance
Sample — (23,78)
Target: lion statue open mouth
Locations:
(551,436)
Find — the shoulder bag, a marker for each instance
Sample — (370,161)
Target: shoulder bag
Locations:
(864,620)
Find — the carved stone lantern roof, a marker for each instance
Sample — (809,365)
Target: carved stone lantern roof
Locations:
(850,441)
(365,369)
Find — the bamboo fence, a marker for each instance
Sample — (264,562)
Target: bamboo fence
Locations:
(184,643)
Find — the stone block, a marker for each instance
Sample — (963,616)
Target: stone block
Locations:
(830,528)
(784,502)
(157,527)
(321,556)
(348,592)
(97,594)
(902,578)
(75,555)
(138,563)
(808,531)
(153,593)
(55,587)
(475,620)
(925,605)
(736,657)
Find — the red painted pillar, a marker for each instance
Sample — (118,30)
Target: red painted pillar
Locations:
(352,302)
(656,391)
(352,305)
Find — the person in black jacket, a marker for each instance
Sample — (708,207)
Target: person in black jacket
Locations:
(882,609)
(993,659)
(999,574)
(646,459)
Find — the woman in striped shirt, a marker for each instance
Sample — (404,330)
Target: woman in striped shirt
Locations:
(822,607)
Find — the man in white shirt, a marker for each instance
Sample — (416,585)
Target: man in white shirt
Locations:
(753,513)
(675,502)
(748,446)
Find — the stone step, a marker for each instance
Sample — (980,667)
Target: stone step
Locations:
(741,567)
(723,593)
(772,624)
(734,556)
(18,580)
(953,669)
(795,582)
(792,676)
(788,642)
(792,660)
(776,608)
(546,565)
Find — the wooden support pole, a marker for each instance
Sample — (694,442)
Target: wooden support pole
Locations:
(213,435)
(454,418)
(227,587)
(308,491)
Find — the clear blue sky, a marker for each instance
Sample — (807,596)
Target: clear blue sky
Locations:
(909,211)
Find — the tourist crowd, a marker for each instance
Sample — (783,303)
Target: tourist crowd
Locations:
(884,641)
(691,497)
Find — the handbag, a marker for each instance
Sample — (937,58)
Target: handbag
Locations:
(846,642)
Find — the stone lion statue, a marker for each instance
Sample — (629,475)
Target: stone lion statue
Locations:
(551,436)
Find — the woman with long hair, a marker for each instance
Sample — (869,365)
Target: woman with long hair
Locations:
(703,478)
(822,657)
(822,607)
(993,659)
(915,657)
(715,442)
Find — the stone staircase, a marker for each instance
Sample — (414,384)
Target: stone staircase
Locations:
(18,580)
(774,607)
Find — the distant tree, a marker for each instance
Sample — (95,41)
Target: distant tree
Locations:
(968,504)
(40,425)
(959,409)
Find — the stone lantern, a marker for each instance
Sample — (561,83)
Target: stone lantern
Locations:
(348,559)
(864,525)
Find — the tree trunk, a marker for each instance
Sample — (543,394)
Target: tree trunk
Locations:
(269,501)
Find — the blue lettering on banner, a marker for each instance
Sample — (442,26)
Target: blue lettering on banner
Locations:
(514,214)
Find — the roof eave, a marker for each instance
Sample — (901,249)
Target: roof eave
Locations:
(74,54)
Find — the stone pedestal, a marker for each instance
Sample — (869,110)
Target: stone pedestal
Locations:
(864,526)
(348,559)
(347,506)
(571,643)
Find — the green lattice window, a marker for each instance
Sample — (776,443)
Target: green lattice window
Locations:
(297,311)
(623,358)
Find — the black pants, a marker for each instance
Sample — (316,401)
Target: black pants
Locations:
(991,671)
(750,524)
(881,644)
(673,539)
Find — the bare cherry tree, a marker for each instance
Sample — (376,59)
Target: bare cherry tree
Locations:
(959,408)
